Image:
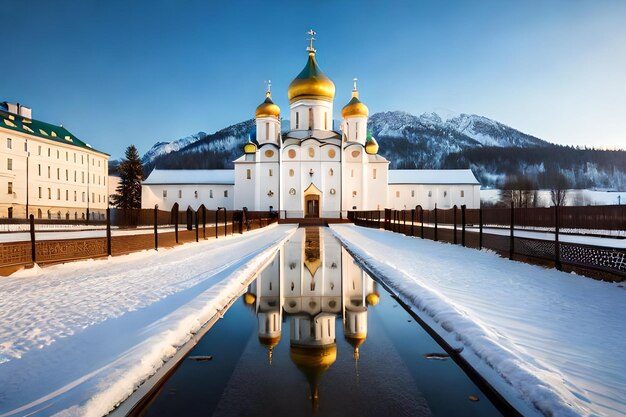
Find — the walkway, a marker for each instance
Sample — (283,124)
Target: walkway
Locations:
(552,343)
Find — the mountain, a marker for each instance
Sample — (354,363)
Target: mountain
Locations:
(493,151)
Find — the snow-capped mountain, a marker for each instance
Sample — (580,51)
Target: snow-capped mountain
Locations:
(491,149)
(164,148)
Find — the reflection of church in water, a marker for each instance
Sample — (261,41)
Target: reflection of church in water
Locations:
(313,281)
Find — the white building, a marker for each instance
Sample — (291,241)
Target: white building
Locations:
(47,171)
(312,170)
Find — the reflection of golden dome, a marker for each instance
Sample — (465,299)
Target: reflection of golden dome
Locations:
(319,358)
(371,147)
(268,108)
(356,340)
(355,108)
(373,299)
(249,298)
(269,341)
(311,83)
(249,148)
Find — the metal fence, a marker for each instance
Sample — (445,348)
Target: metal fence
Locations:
(125,231)
(501,230)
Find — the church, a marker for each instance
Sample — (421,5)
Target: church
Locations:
(311,170)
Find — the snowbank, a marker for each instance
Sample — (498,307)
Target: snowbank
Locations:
(552,343)
(78,338)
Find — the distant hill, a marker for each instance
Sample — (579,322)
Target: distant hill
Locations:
(491,149)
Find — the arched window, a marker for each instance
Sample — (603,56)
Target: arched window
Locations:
(267,131)
(39,213)
(297,120)
(310,118)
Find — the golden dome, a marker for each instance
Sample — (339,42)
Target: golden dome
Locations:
(311,83)
(373,298)
(249,147)
(268,108)
(248,297)
(355,108)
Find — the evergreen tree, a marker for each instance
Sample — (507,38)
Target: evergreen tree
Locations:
(131,174)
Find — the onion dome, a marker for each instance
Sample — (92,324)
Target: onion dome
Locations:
(249,147)
(355,108)
(311,83)
(248,297)
(268,108)
(373,298)
(371,147)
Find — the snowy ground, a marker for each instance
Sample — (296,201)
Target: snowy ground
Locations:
(76,339)
(552,343)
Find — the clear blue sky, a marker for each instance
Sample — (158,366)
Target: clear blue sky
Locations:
(120,72)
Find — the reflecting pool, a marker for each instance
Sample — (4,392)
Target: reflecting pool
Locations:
(315,335)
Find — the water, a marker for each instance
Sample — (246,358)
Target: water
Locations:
(315,335)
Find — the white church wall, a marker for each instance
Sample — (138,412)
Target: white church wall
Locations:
(187,195)
(355,129)
(268,188)
(267,130)
(246,186)
(321,110)
(407,196)
(377,177)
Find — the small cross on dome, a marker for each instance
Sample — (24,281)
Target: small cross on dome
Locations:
(311,32)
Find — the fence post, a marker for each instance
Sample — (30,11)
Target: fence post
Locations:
(422,220)
(435,211)
(217,213)
(412,222)
(463,207)
(454,220)
(557,244)
(480,228)
(31,220)
(512,236)
(156,231)
(176,222)
(108,231)
(203,222)
(225,222)
(196,215)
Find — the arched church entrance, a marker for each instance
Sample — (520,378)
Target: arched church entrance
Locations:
(312,201)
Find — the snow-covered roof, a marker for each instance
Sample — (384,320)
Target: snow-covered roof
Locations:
(191,176)
(432,176)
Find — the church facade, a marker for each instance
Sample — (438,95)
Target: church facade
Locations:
(311,170)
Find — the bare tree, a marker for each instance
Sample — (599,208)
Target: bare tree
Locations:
(520,191)
(558,191)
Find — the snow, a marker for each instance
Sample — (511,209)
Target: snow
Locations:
(551,343)
(191,176)
(78,338)
(432,176)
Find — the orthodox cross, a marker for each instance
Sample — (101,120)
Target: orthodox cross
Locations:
(269,86)
(354,80)
(311,39)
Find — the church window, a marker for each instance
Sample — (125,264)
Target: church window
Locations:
(39,169)
(83,197)
(67,175)
(75,195)
(67,157)
(430,193)
(310,118)
(270,172)
(445,193)
(58,173)
(291,153)
(74,176)
(356,154)
(58,154)
(49,150)
(180,193)
(356,130)
(210,193)
(397,194)
(291,173)
(352,173)
(353,193)
(67,195)
(195,194)
(164,193)
(9,164)
(267,131)
(292,191)
(9,143)
(374,173)
(412,193)
(50,194)
(311,152)
(248,174)
(297,120)
(39,150)
(462,193)
(269,153)
(58,193)
(10,187)
(40,193)
(270,285)
(332,191)
(225,193)
(331,153)
(74,157)
(325,120)
(330,172)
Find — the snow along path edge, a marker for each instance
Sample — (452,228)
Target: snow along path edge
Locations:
(528,393)
(102,389)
